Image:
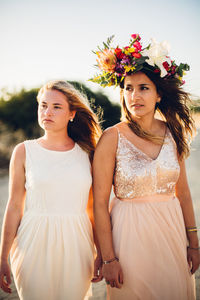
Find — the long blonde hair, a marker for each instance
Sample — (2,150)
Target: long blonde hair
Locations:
(84,129)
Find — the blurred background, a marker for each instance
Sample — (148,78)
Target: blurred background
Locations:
(43,40)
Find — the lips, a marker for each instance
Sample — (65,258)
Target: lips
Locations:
(47,120)
(137,105)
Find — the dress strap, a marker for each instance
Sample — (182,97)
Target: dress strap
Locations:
(118,131)
(118,139)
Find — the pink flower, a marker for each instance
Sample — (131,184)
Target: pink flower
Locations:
(137,46)
(106,60)
(136,36)
(173,70)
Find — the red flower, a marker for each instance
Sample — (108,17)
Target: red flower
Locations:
(157,71)
(166,65)
(119,53)
(136,55)
(134,36)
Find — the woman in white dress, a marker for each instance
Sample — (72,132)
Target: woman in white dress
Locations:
(47,229)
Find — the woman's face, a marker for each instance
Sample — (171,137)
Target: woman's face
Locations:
(140,95)
(53,111)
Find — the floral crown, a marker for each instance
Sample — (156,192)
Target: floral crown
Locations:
(116,63)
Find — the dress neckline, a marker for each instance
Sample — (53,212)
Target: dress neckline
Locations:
(142,152)
(56,151)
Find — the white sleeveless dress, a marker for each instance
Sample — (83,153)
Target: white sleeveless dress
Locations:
(52,254)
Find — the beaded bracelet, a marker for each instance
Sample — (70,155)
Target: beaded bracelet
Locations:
(191,229)
(105,262)
(194,248)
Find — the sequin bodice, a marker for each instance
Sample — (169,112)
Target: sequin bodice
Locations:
(138,175)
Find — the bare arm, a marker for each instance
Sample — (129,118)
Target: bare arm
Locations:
(103,170)
(14,209)
(91,217)
(184,196)
(98,260)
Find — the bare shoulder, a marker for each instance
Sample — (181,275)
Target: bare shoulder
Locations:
(112,132)
(19,153)
(17,175)
(108,141)
(109,135)
(19,150)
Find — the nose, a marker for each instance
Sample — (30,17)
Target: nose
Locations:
(48,111)
(135,94)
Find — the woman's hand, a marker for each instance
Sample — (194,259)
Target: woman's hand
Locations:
(5,277)
(113,275)
(97,269)
(193,257)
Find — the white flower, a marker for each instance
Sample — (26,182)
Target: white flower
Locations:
(157,54)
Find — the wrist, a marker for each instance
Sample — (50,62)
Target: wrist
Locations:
(4,253)
(193,245)
(191,230)
(4,259)
(107,255)
(193,241)
(98,257)
(194,248)
(98,252)
(105,262)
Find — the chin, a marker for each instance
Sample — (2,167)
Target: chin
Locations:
(137,114)
(47,126)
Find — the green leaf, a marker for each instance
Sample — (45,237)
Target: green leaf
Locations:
(110,39)
(105,45)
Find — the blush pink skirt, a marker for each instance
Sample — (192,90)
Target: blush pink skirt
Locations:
(150,240)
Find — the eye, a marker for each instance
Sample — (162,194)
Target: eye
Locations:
(43,105)
(128,88)
(144,88)
(57,107)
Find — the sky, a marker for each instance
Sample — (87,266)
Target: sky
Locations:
(42,40)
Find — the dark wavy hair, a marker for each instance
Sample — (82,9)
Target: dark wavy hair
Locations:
(174,107)
(84,129)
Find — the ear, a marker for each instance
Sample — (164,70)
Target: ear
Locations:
(158,99)
(73,113)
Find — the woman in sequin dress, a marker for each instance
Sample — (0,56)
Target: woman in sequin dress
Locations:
(51,241)
(147,236)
